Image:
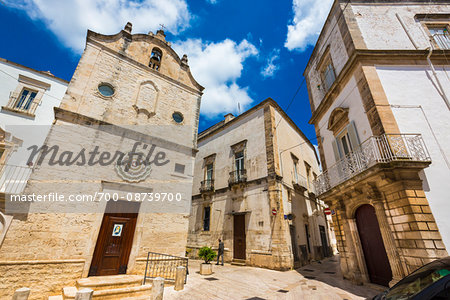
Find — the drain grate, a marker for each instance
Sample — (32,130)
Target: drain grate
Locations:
(308,270)
(310,277)
(255,298)
(282,291)
(211,278)
(328,272)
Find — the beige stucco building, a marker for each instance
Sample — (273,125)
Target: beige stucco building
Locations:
(253,189)
(379,89)
(127,90)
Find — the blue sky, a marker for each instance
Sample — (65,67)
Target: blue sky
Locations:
(241,51)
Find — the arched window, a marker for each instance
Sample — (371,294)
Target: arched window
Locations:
(155,59)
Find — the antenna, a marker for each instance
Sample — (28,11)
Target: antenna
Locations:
(239,108)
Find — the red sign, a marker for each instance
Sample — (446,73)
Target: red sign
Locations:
(327,211)
(274,212)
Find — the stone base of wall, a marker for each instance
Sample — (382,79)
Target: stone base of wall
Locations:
(410,235)
(44,278)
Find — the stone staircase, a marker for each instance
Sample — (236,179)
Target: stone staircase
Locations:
(109,287)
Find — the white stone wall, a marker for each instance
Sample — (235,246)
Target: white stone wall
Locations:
(250,128)
(348,98)
(419,108)
(332,37)
(381,29)
(16,123)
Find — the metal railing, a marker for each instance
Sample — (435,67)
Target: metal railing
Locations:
(27,108)
(13,179)
(376,149)
(299,181)
(207,185)
(165,266)
(442,40)
(237,176)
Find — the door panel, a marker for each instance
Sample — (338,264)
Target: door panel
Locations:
(114,243)
(372,244)
(239,244)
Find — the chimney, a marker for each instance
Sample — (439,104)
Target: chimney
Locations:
(128,27)
(228,117)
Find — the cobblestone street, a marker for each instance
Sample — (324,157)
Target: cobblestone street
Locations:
(315,281)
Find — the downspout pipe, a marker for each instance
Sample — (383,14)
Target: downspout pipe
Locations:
(430,51)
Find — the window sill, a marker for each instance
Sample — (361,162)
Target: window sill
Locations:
(20,112)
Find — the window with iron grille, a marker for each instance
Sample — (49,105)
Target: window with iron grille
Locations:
(440,36)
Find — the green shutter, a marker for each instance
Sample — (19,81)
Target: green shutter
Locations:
(353,135)
(335,150)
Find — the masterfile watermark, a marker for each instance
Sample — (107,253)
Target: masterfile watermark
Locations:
(79,168)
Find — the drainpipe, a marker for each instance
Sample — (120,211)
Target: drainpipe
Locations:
(430,51)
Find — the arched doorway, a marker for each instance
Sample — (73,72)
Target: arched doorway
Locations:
(372,244)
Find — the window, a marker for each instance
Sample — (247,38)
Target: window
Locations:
(325,68)
(177,117)
(27,95)
(25,99)
(206,218)
(440,36)
(239,163)
(209,172)
(155,59)
(328,75)
(346,141)
(106,89)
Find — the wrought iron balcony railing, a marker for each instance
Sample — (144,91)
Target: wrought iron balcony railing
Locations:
(17,104)
(207,185)
(238,176)
(13,179)
(298,181)
(442,40)
(376,149)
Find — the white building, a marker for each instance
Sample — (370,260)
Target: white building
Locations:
(379,91)
(253,189)
(27,99)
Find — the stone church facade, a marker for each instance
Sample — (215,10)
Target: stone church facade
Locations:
(253,189)
(378,105)
(128,90)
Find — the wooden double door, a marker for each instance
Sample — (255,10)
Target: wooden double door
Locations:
(115,239)
(375,255)
(239,241)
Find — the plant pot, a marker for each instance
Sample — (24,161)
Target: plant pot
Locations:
(205,269)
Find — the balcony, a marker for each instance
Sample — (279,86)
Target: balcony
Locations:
(237,177)
(299,182)
(21,105)
(207,186)
(375,150)
(442,40)
(13,179)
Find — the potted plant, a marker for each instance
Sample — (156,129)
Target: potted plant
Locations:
(207,254)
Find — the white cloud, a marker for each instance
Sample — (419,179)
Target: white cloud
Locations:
(212,1)
(218,66)
(309,16)
(69,19)
(270,69)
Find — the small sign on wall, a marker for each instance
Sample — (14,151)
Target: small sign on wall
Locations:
(117,230)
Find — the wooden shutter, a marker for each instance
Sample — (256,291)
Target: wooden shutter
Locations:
(353,135)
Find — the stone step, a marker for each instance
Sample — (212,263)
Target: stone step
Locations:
(113,294)
(98,283)
(238,262)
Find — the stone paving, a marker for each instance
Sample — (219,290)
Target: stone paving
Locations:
(315,281)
